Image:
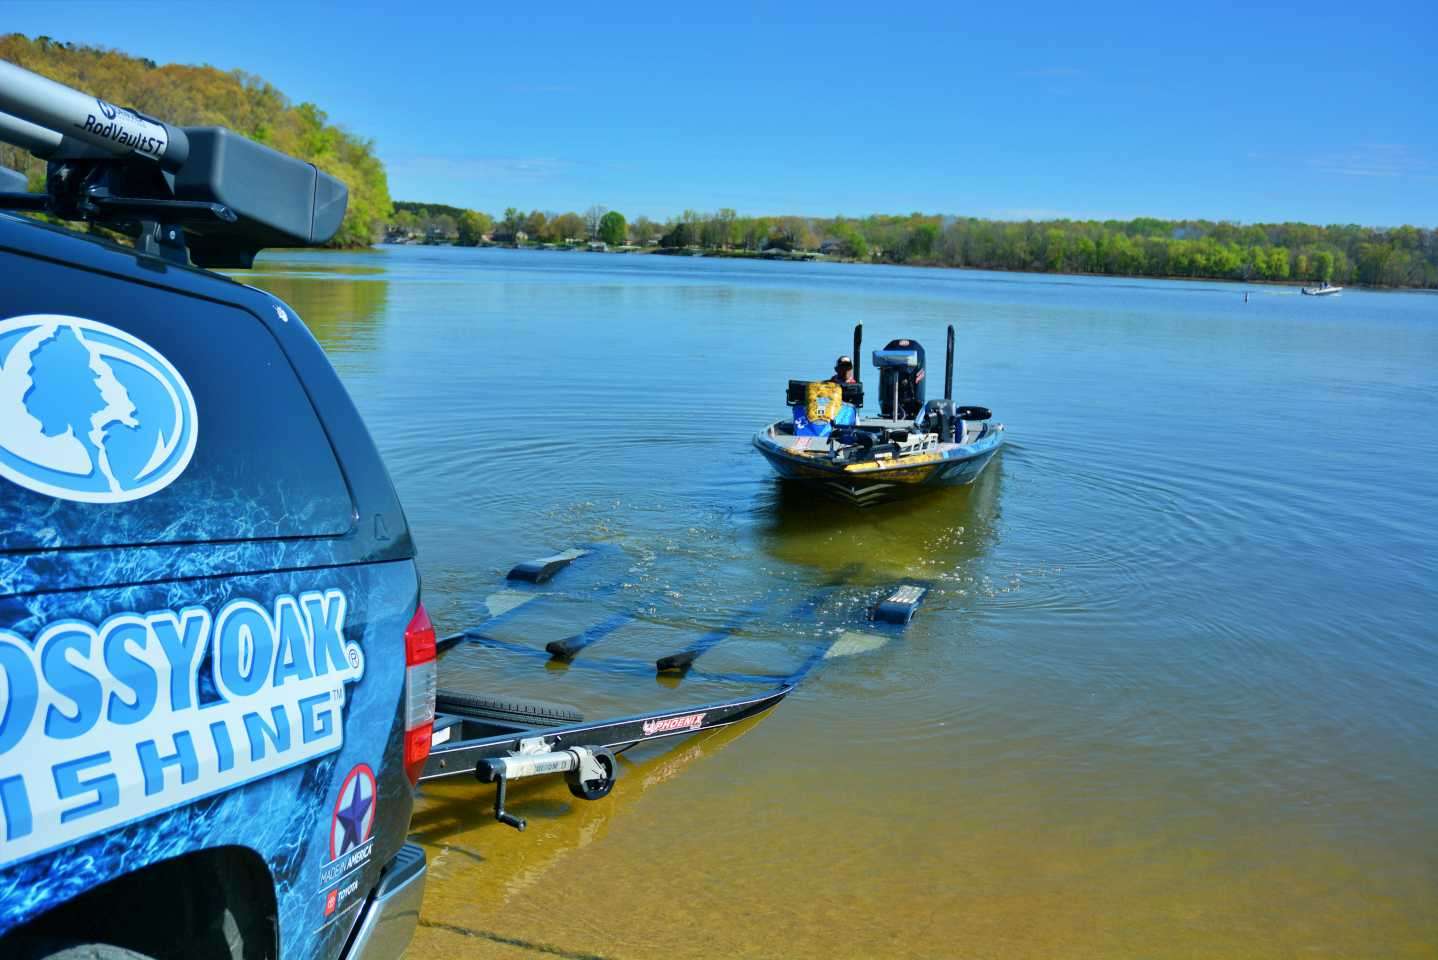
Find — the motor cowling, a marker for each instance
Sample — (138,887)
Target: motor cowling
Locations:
(901,379)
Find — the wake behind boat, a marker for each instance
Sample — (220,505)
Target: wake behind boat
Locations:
(911,445)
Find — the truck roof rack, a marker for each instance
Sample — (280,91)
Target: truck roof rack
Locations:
(189,194)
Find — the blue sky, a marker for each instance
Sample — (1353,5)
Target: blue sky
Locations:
(1322,112)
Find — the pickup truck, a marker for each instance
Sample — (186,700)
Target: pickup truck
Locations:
(217,679)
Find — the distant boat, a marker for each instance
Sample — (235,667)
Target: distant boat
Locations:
(1321,291)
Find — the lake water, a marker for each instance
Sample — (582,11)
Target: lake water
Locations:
(1174,693)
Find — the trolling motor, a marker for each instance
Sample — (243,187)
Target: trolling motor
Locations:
(187,194)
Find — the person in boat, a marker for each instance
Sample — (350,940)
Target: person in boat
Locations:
(843,371)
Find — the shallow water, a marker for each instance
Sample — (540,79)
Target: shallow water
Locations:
(1174,693)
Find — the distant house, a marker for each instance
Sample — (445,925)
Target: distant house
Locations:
(504,236)
(831,247)
(598,246)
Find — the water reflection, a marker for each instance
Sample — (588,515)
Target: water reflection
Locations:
(479,867)
(936,534)
(345,315)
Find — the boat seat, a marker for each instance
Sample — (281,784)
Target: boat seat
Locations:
(822,409)
(846,416)
(799,389)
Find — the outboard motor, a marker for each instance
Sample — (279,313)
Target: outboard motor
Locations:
(901,379)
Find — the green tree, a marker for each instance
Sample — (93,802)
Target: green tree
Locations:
(1278,265)
(1054,249)
(923,240)
(535,225)
(851,241)
(443,228)
(567,228)
(405,223)
(512,223)
(722,230)
(643,230)
(613,229)
(756,233)
(204,96)
(473,225)
(678,236)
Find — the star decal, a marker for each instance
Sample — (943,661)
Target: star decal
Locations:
(351,818)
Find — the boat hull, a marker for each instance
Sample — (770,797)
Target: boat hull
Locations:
(878,481)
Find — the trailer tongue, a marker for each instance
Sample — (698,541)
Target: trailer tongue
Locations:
(584,752)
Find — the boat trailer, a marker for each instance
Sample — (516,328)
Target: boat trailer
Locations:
(496,751)
(584,752)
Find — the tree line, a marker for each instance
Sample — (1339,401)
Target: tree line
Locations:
(1342,254)
(438,223)
(1398,257)
(204,96)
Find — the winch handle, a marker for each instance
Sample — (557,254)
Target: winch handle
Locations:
(589,771)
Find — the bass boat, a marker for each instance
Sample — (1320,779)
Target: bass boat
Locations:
(911,445)
(1321,291)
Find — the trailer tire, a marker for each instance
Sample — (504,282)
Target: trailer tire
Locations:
(47,949)
(535,713)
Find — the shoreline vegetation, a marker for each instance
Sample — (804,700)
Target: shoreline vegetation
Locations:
(1297,253)
(204,96)
(1399,257)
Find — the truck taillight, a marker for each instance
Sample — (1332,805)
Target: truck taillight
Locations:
(419,683)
